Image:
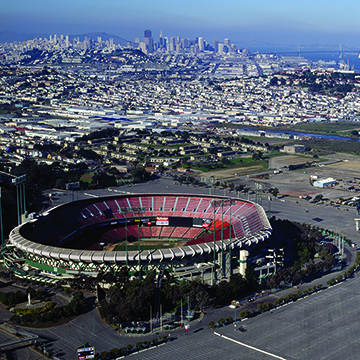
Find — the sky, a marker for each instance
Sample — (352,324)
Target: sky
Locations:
(302,22)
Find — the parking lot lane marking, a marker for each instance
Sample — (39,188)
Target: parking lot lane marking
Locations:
(250,347)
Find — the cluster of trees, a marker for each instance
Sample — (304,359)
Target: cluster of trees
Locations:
(221,322)
(301,242)
(54,315)
(131,300)
(140,175)
(12,298)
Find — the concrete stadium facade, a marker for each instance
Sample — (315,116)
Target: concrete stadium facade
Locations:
(233,226)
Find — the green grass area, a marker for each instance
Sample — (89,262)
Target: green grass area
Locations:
(235,164)
(87,178)
(143,246)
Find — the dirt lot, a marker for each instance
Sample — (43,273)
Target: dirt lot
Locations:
(286,160)
(351,167)
(228,173)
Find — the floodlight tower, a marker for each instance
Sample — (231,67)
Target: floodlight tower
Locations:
(19,182)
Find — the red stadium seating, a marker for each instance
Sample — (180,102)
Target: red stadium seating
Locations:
(179,232)
(155,231)
(193,232)
(166,231)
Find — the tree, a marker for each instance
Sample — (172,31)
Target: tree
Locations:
(245,313)
(203,299)
(257,155)
(104,354)
(275,192)
(140,174)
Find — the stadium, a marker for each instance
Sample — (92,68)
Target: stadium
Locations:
(188,235)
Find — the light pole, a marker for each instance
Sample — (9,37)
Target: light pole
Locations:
(269,198)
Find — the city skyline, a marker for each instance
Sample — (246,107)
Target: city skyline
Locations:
(279,23)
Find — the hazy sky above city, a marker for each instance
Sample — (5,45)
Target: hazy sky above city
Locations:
(278,21)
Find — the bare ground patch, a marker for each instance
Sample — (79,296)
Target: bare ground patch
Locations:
(346,165)
(281,161)
(226,173)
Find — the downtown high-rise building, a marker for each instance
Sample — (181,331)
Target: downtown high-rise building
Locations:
(215,45)
(227,42)
(161,40)
(185,43)
(201,44)
(148,40)
(172,44)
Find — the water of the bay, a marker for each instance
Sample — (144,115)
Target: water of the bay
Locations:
(314,54)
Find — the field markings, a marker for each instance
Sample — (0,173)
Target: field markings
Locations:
(250,347)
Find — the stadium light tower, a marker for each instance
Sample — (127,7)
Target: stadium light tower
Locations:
(19,182)
(217,204)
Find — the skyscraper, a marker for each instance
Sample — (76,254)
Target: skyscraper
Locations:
(185,43)
(220,48)
(161,40)
(172,45)
(201,43)
(147,34)
(215,45)
(148,40)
